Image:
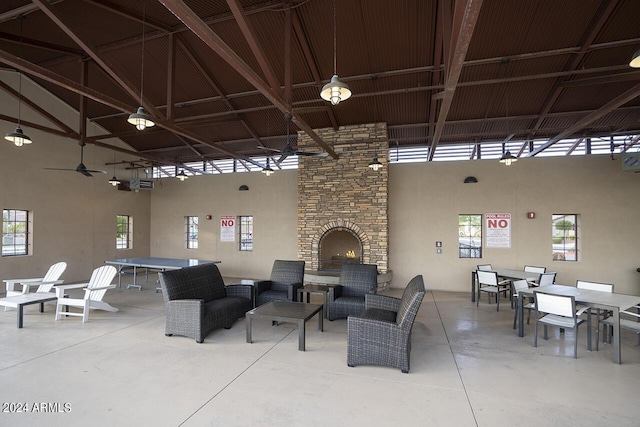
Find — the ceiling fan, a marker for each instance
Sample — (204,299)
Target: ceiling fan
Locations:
(288,149)
(81,168)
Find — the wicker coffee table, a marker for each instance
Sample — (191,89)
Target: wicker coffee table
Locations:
(286,311)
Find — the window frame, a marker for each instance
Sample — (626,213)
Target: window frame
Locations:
(245,233)
(126,242)
(560,249)
(467,233)
(191,232)
(25,233)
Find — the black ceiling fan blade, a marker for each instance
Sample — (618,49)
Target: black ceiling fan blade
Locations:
(310,154)
(262,147)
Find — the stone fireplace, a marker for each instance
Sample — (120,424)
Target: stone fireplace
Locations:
(343,204)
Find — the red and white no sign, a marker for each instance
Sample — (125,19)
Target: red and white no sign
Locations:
(227,228)
(498,230)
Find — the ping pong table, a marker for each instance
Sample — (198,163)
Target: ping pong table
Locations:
(152,263)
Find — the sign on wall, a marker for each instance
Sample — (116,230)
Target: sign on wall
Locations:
(498,230)
(227,228)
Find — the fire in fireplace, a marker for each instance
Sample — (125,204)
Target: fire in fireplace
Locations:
(338,247)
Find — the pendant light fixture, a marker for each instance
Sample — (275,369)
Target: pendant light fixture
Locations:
(18,137)
(114,181)
(335,91)
(507,158)
(141,119)
(635,60)
(375,164)
(181,175)
(267,169)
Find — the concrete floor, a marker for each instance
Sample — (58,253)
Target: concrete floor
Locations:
(468,368)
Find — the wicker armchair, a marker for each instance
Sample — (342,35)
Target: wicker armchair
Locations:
(381,335)
(286,278)
(356,281)
(197,301)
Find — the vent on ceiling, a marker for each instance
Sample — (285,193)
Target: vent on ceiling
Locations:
(631,162)
(141,184)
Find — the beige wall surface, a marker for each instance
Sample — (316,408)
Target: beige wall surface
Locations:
(270,200)
(74,217)
(425,200)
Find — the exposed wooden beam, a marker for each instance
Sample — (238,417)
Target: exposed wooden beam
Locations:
(27,124)
(248,32)
(211,39)
(40,44)
(464,34)
(44,113)
(129,14)
(171,78)
(601,112)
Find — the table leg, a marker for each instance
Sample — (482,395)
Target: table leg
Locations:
(473,286)
(520,314)
(248,321)
(301,334)
(616,335)
(321,320)
(20,313)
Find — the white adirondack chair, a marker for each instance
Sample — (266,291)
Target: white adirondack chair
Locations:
(44,284)
(93,293)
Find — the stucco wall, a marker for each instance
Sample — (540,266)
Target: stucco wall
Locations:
(425,200)
(74,217)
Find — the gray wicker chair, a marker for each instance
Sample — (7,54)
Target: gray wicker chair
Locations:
(197,301)
(356,281)
(381,335)
(286,278)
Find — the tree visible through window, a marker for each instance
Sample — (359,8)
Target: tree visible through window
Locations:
(469,236)
(564,237)
(246,233)
(191,225)
(15,232)
(124,232)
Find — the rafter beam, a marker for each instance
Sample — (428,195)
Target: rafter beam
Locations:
(44,113)
(248,32)
(601,112)
(129,14)
(211,39)
(464,33)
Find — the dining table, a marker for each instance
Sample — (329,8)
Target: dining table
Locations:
(505,273)
(615,303)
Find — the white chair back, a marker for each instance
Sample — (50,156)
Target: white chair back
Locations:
(485,267)
(555,304)
(547,278)
(487,278)
(53,274)
(594,286)
(520,285)
(101,276)
(534,269)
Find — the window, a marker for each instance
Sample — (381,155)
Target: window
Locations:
(246,233)
(191,228)
(469,236)
(15,232)
(564,237)
(124,232)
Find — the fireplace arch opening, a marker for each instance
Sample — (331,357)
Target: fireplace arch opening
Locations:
(339,246)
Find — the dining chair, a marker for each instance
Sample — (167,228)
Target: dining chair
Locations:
(485,267)
(560,311)
(544,279)
(488,282)
(517,287)
(632,324)
(534,269)
(600,314)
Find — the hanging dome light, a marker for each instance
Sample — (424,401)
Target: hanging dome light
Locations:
(507,158)
(267,169)
(335,91)
(141,119)
(18,137)
(182,176)
(375,164)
